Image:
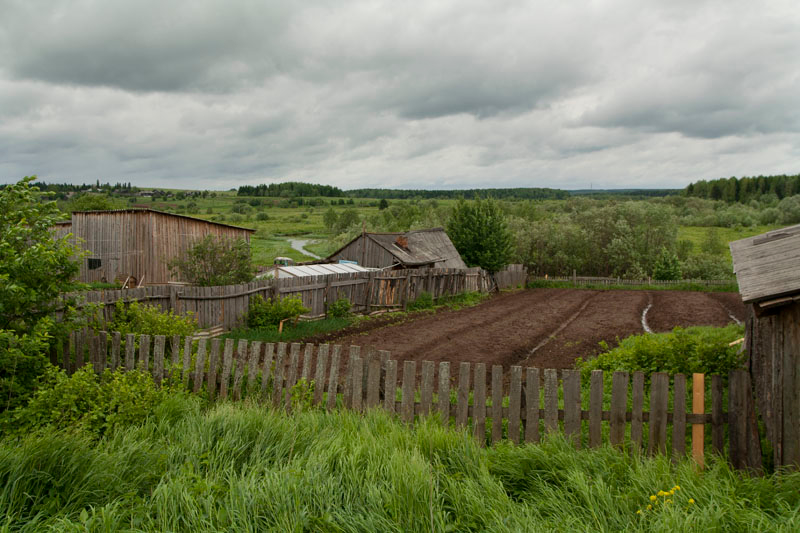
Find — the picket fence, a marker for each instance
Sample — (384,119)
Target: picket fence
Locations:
(226,306)
(512,408)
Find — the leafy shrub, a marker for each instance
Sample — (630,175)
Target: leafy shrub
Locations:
(423,301)
(339,309)
(267,313)
(98,404)
(215,261)
(697,349)
(138,318)
(22,361)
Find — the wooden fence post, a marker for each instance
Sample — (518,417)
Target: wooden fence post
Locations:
(698,408)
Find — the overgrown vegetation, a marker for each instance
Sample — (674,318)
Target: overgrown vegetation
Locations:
(215,261)
(139,318)
(480,234)
(244,468)
(699,349)
(270,313)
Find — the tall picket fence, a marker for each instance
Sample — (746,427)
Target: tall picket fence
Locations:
(227,306)
(655,415)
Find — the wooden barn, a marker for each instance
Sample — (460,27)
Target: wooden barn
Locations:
(138,243)
(425,248)
(768,271)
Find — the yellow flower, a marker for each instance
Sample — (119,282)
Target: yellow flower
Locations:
(649,507)
(652,498)
(639,511)
(669,501)
(677,487)
(672,492)
(691,500)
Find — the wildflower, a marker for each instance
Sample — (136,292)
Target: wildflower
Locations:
(649,507)
(676,487)
(639,511)
(652,498)
(691,500)
(668,501)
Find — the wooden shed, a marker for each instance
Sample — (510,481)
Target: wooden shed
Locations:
(768,271)
(138,242)
(425,248)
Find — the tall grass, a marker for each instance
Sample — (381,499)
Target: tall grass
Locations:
(245,468)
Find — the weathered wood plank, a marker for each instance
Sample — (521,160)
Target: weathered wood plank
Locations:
(144,353)
(426,387)
(659,398)
(333,377)
(390,386)
(175,350)
(550,400)
(252,367)
(308,356)
(497,403)
(679,416)
(373,382)
(532,405)
(355,353)
(637,408)
(444,392)
(238,376)
(409,386)
(572,405)
(479,404)
(200,365)
(266,370)
(514,404)
(291,376)
(213,365)
(187,360)
(595,408)
(319,374)
(116,341)
(227,363)
(462,405)
(357,380)
(619,405)
(158,358)
(717,426)
(102,345)
(278,375)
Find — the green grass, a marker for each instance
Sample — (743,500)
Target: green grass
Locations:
(302,330)
(245,468)
(698,234)
(695,287)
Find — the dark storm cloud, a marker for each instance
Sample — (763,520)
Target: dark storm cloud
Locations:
(462,93)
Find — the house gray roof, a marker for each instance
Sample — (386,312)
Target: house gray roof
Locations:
(421,247)
(767,266)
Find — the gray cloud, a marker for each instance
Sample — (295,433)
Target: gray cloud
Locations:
(441,94)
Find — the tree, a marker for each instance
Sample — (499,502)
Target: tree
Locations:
(215,261)
(480,234)
(383,204)
(668,266)
(35,268)
(90,202)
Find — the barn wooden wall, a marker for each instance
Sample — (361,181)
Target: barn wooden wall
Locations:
(773,343)
(139,243)
(365,252)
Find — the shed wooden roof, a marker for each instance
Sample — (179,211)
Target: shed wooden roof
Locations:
(767,266)
(418,247)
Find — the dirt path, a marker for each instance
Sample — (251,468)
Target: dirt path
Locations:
(547,328)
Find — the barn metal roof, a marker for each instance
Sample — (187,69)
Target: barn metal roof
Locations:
(148,210)
(317,269)
(768,265)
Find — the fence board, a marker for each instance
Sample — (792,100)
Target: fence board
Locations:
(319,374)
(102,341)
(409,386)
(532,405)
(355,352)
(595,408)
(266,370)
(698,407)
(636,410)
(333,381)
(619,404)
(479,404)
(550,400)
(716,415)
(572,405)
(373,382)
(238,376)
(444,392)
(357,381)
(144,352)
(227,362)
(659,397)
(213,365)
(175,350)
(252,366)
(514,404)
(291,376)
(679,416)
(116,340)
(308,356)
(462,398)
(497,403)
(200,365)
(426,387)
(279,373)
(187,359)
(390,389)
(158,358)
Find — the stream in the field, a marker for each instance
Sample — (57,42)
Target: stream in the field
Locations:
(299,245)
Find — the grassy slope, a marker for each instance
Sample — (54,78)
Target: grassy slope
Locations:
(241,468)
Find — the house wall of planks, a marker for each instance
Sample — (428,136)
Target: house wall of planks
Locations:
(227,306)
(493,404)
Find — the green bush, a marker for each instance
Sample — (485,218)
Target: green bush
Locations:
(339,309)
(423,301)
(22,361)
(700,349)
(94,403)
(266,313)
(137,318)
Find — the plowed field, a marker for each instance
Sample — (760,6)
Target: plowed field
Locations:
(547,328)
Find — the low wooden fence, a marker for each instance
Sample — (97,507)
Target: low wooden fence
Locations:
(367,291)
(517,404)
(591,280)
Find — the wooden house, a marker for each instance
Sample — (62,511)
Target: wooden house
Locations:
(768,271)
(425,248)
(138,243)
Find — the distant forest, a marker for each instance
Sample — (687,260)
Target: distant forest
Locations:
(289,189)
(469,194)
(744,190)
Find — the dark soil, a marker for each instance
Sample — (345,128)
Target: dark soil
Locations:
(546,328)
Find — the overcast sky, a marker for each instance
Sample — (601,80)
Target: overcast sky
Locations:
(435,94)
